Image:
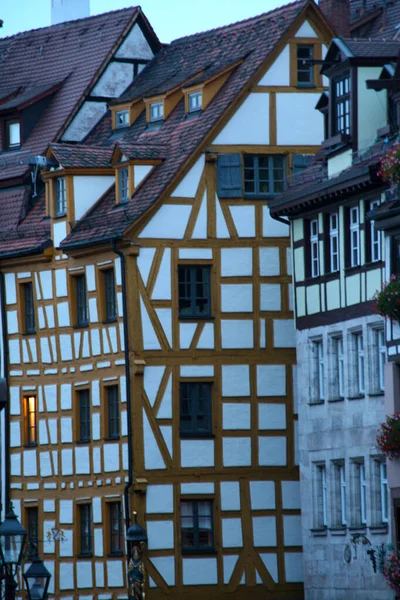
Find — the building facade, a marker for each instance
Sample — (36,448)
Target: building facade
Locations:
(339,263)
(150,336)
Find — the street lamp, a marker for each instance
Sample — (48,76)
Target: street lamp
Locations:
(12,543)
(136,538)
(37,580)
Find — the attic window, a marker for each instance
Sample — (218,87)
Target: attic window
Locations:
(121,118)
(13,134)
(195,101)
(156,111)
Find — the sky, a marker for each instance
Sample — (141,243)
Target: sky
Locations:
(170,19)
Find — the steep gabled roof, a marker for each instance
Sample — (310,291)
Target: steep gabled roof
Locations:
(78,155)
(249,44)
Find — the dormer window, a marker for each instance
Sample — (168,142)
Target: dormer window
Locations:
(60,197)
(123,185)
(13,134)
(156,111)
(195,101)
(121,119)
(341,105)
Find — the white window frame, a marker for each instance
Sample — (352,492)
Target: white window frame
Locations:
(121,119)
(375,237)
(381,357)
(340,366)
(156,110)
(334,241)
(363,494)
(60,197)
(322,496)
(360,361)
(195,101)
(318,358)
(314,248)
(342,483)
(384,492)
(354,236)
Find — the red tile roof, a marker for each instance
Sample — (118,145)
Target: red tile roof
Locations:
(79,155)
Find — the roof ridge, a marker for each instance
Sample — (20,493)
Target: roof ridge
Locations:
(68,23)
(237,23)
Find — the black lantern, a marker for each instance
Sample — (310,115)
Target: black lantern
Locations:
(12,542)
(37,580)
(135,536)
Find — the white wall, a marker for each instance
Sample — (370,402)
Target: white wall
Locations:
(297,121)
(87,190)
(372,107)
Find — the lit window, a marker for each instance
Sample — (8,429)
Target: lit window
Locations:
(314,248)
(318,371)
(121,118)
(31,420)
(123,185)
(61,197)
(195,101)
(334,242)
(354,237)
(384,491)
(156,111)
(375,236)
(13,134)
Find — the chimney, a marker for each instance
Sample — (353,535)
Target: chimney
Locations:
(337,13)
(68,10)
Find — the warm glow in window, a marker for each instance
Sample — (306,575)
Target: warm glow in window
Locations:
(31,421)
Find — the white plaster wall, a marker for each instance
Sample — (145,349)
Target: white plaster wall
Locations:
(160,534)
(152,455)
(88,116)
(298,123)
(271,380)
(59,232)
(140,172)
(150,339)
(10,288)
(232,536)
(269,262)
(200,228)
(135,45)
(270,296)
(144,262)
(237,333)
(250,123)
(115,576)
(294,571)
(279,71)
(306,31)
(236,262)
(230,495)
(262,495)
(235,380)
(159,499)
(114,81)
(165,565)
(152,379)
(197,488)
(235,415)
(244,219)
(272,451)
(237,297)
(87,190)
(264,531)
(284,333)
(199,571)
(338,163)
(162,286)
(371,107)
(271,416)
(197,453)
(187,188)
(272,228)
(177,217)
(236,452)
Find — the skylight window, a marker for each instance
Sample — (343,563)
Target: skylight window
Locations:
(195,101)
(156,111)
(121,118)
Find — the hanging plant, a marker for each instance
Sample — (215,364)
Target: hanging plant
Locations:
(386,302)
(392,573)
(389,167)
(388,438)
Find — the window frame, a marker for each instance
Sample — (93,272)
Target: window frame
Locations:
(32,527)
(314,248)
(354,227)
(31,441)
(194,401)
(29,315)
(155,114)
(334,259)
(110,295)
(60,197)
(255,167)
(191,281)
(125,122)
(321,496)
(360,361)
(341,105)
(305,68)
(84,424)
(381,357)
(112,519)
(318,370)
(85,538)
(341,473)
(7,137)
(123,185)
(82,312)
(196,106)
(383,486)
(197,548)
(375,236)
(363,493)
(113,412)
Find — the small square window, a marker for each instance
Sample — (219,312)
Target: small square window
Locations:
(195,101)
(113,411)
(115,520)
(197,525)
(196,411)
(156,111)
(30,413)
(84,415)
(86,529)
(121,119)
(60,197)
(194,291)
(13,134)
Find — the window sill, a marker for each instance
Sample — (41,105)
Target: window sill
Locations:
(336,400)
(319,532)
(26,333)
(358,528)
(306,85)
(82,442)
(107,321)
(338,530)
(196,318)
(115,554)
(379,529)
(80,326)
(85,555)
(31,445)
(199,551)
(112,439)
(195,436)
(154,125)
(316,403)
(357,397)
(376,394)
(60,216)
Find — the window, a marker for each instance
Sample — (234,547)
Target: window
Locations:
(156,111)
(380,352)
(375,240)
(321,519)
(195,101)
(305,69)
(61,197)
(197,525)
(359,350)
(339,503)
(110,296)
(29,307)
(115,519)
(354,237)
(13,134)
(81,301)
(84,415)
(263,174)
(194,291)
(318,393)
(121,118)
(341,105)
(334,242)
(363,493)
(113,411)
(85,518)
(314,248)
(195,400)
(31,420)
(32,518)
(338,368)
(229,176)
(384,492)
(123,179)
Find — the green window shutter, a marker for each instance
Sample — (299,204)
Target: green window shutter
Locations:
(229,176)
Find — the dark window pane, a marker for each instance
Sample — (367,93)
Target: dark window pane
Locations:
(110,296)
(33,531)
(81,300)
(86,528)
(194,291)
(30,326)
(113,411)
(196,525)
(84,415)
(123,186)
(195,407)
(115,527)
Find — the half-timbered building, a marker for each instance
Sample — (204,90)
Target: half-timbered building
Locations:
(339,263)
